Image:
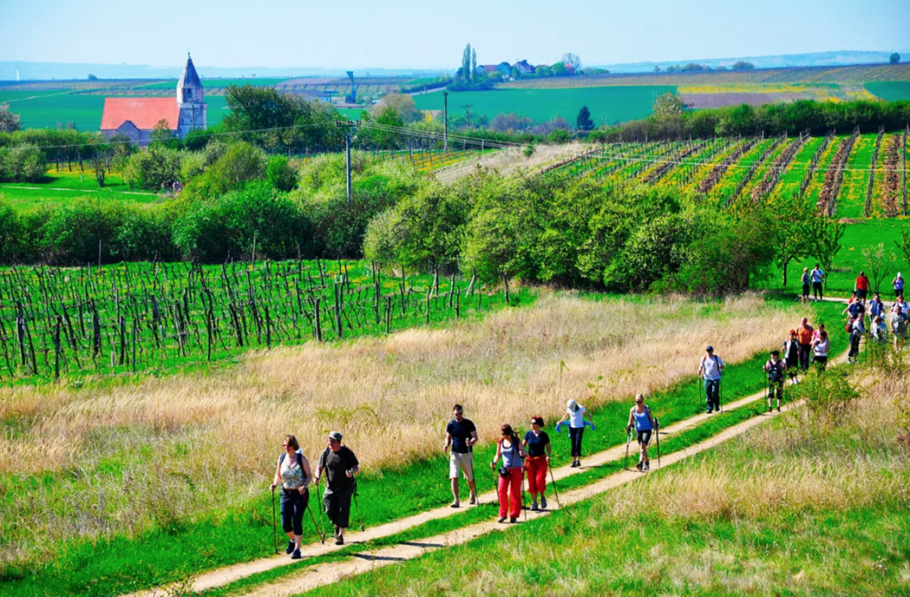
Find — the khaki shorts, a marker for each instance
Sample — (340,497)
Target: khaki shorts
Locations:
(463,461)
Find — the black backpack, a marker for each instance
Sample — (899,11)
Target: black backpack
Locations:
(775,373)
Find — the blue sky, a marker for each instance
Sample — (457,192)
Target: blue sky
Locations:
(401,33)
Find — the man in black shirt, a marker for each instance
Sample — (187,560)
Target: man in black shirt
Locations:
(461,435)
(340,466)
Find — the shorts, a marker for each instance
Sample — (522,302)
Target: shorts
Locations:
(464,461)
(806,290)
(860,293)
(644,437)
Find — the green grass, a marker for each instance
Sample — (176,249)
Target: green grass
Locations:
(218,83)
(608,105)
(889,90)
(851,199)
(17,96)
(32,198)
(241,531)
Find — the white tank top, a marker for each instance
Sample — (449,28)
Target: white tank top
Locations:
(291,472)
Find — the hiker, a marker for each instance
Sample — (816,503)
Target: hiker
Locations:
(899,302)
(804,337)
(805,280)
(879,330)
(898,325)
(640,416)
(575,415)
(855,307)
(817,276)
(461,435)
(294,476)
(876,306)
(861,287)
(820,349)
(791,356)
(340,465)
(775,369)
(711,367)
(856,330)
(898,284)
(510,474)
(537,445)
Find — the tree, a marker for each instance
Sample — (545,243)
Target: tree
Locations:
(826,238)
(794,221)
(92,77)
(878,261)
(668,104)
(583,122)
(474,65)
(559,70)
(100,160)
(466,63)
(280,174)
(894,58)
(9,122)
(572,61)
(742,65)
(656,68)
(904,245)
(163,136)
(403,104)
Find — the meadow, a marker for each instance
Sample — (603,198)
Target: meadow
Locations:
(607,105)
(889,90)
(783,510)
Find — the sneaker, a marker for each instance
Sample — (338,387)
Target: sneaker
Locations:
(502,520)
(578,464)
(291,547)
(708,412)
(534,507)
(473,500)
(454,505)
(639,465)
(513,520)
(647,467)
(543,502)
(778,409)
(770,409)
(296,555)
(339,540)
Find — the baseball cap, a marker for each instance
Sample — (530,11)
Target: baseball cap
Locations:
(335,435)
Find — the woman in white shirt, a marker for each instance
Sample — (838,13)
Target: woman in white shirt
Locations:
(820,350)
(575,415)
(294,475)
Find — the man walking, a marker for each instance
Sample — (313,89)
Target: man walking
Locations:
(862,286)
(340,465)
(775,369)
(461,435)
(818,276)
(710,368)
(876,307)
(804,337)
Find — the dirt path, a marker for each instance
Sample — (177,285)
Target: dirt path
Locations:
(223,576)
(324,574)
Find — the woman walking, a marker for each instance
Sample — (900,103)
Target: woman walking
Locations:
(510,474)
(806,279)
(898,284)
(575,415)
(640,416)
(537,444)
(820,349)
(294,476)
(791,356)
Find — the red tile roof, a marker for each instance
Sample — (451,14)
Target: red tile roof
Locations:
(144,112)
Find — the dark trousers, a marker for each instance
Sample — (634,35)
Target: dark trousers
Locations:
(337,503)
(776,387)
(805,350)
(293,505)
(575,434)
(817,290)
(854,345)
(712,394)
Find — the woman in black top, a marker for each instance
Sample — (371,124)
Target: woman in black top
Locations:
(537,444)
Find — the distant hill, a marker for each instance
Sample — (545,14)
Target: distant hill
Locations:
(841,57)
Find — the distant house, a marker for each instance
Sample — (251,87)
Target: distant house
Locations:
(524,68)
(503,67)
(136,117)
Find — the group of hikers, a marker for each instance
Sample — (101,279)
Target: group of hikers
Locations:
(530,455)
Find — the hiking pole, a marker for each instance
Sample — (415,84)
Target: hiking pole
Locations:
(274,521)
(321,505)
(357,504)
(553,480)
(315,526)
(523,510)
(628,441)
(657,437)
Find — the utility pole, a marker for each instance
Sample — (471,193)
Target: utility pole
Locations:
(445,121)
(467,113)
(348,139)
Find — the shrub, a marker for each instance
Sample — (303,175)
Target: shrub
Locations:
(240,163)
(72,233)
(154,168)
(280,174)
(25,163)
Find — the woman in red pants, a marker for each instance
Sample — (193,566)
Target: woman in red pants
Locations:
(537,444)
(510,474)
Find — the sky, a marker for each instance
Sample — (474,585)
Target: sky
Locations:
(427,34)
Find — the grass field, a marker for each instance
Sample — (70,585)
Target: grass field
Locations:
(178,528)
(607,105)
(889,90)
(218,83)
(783,510)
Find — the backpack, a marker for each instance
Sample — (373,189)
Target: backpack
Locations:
(774,372)
(299,459)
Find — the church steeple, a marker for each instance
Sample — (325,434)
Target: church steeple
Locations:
(189,87)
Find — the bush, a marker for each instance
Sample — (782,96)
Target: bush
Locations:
(280,174)
(236,165)
(153,169)
(24,164)
(72,232)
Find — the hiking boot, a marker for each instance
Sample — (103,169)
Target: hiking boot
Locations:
(337,529)
(473,500)
(639,465)
(502,520)
(534,507)
(778,409)
(708,412)
(454,505)
(339,540)
(770,409)
(647,467)
(543,502)
(296,555)
(291,547)
(513,520)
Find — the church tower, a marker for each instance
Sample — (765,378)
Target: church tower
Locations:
(190,100)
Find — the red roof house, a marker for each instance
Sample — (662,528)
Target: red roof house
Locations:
(136,117)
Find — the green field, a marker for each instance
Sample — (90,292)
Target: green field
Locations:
(608,105)
(217,83)
(889,90)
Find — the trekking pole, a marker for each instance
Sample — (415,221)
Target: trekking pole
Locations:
(628,441)
(315,526)
(523,509)
(319,493)
(657,437)
(274,521)
(357,504)
(553,481)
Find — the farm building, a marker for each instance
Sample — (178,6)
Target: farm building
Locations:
(524,68)
(503,67)
(136,117)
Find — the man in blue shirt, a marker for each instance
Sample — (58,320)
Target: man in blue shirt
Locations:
(711,367)
(818,276)
(461,435)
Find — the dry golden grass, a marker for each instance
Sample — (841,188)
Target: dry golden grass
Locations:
(180,438)
(511,161)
